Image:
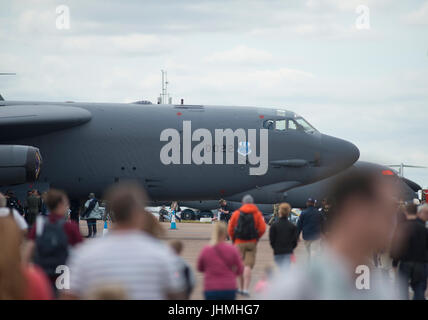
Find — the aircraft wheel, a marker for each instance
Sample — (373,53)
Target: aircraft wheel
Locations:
(188,214)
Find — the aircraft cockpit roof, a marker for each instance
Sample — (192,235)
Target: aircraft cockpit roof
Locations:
(281,119)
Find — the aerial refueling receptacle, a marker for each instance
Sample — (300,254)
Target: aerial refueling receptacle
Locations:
(19,164)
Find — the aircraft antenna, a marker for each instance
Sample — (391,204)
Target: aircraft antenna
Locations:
(164,96)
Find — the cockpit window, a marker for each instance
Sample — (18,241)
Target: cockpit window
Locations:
(289,124)
(281,125)
(302,124)
(292,125)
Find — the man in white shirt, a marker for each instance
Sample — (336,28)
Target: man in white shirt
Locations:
(4,211)
(127,258)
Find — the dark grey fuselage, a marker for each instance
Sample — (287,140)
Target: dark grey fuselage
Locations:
(97,144)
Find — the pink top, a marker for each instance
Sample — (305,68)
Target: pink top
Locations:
(38,285)
(221,264)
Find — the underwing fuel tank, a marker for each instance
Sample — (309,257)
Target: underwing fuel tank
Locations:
(19,164)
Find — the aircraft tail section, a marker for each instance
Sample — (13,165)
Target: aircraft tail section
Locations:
(1,98)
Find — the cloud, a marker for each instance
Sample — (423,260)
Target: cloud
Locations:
(239,54)
(191,16)
(35,21)
(124,44)
(419,16)
(348,5)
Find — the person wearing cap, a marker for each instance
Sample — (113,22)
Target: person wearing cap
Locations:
(5,211)
(91,214)
(246,227)
(309,226)
(33,207)
(224,211)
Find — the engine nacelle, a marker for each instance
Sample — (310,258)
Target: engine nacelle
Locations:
(19,164)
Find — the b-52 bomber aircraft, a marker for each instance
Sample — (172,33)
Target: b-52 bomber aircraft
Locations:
(184,152)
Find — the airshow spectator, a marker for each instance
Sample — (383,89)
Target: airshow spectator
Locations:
(283,236)
(423,212)
(246,227)
(126,257)
(33,207)
(51,237)
(13,202)
(43,207)
(91,214)
(4,211)
(275,215)
(309,225)
(221,264)
(186,270)
(225,211)
(163,214)
(175,209)
(409,252)
(18,280)
(29,192)
(324,207)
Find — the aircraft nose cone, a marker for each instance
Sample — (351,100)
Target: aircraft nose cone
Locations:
(339,154)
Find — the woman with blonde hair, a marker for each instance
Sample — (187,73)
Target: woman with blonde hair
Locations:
(283,236)
(175,208)
(17,281)
(221,264)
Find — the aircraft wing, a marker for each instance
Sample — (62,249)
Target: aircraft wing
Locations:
(19,121)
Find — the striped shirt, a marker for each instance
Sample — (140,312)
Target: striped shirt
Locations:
(142,266)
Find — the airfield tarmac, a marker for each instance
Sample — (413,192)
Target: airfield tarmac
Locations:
(195,236)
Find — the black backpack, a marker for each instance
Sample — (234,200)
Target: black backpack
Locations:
(246,229)
(90,207)
(51,248)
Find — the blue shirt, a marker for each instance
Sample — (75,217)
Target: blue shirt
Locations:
(310,222)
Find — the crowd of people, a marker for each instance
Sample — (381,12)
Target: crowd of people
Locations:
(360,243)
(34,204)
(363,243)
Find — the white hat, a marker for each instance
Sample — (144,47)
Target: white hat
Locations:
(247,199)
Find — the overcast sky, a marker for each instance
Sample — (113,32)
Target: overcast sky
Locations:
(369,86)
